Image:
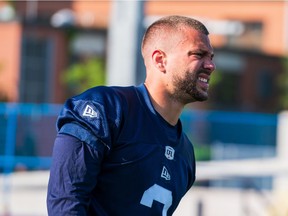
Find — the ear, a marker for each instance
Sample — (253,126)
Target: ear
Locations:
(159,60)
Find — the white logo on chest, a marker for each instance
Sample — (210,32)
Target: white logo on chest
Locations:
(169,152)
(165,174)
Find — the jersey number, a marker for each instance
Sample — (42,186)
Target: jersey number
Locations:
(159,194)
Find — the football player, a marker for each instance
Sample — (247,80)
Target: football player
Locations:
(121,151)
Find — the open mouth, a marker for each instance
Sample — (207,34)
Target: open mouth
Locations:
(203,81)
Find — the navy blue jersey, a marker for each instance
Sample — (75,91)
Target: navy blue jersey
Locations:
(115,155)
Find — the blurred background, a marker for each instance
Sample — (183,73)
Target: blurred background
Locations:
(51,50)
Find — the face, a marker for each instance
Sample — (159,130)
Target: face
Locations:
(190,65)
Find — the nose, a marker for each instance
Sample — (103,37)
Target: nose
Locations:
(209,65)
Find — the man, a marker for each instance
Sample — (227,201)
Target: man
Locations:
(121,150)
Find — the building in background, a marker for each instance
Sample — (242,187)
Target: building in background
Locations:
(40,39)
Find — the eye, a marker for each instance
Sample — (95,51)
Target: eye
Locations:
(212,56)
(196,54)
(199,54)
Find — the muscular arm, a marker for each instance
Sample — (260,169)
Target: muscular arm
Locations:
(73,176)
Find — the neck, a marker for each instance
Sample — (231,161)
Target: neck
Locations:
(168,108)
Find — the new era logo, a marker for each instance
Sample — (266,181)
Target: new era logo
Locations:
(165,174)
(90,112)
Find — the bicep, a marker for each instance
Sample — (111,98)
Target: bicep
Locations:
(73,175)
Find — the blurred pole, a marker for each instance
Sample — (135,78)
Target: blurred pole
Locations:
(31,9)
(140,68)
(200,207)
(281,181)
(126,16)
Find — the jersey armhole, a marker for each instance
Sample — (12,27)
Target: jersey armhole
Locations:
(82,134)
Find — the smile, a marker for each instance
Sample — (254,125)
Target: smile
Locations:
(203,79)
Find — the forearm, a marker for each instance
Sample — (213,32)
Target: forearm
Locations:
(73,176)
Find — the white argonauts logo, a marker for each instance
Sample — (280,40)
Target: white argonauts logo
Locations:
(169,152)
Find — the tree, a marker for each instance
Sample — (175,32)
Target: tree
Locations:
(283,84)
(81,76)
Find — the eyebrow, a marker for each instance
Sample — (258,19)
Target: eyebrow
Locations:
(204,52)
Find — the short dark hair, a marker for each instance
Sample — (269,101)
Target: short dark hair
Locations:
(173,22)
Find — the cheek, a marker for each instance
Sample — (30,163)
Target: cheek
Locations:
(176,62)
(182,69)
(190,78)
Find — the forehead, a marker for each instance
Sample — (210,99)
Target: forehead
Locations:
(193,39)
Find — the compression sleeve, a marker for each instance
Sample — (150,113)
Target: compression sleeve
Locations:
(73,175)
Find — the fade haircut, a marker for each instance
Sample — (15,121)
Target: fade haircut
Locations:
(173,23)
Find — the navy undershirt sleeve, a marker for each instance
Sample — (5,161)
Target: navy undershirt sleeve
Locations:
(73,176)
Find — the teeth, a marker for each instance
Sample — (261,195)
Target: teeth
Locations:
(203,79)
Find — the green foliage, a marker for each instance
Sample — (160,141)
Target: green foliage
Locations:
(216,78)
(81,76)
(283,84)
(202,152)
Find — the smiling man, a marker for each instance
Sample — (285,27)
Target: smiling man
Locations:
(122,150)
(179,60)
